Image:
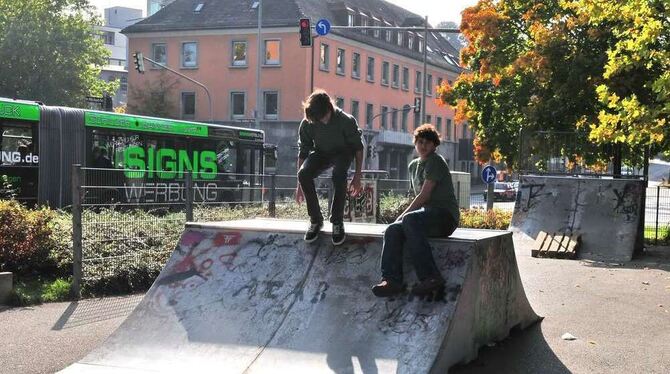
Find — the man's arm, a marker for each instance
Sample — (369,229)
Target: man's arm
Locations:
(421,199)
(355,185)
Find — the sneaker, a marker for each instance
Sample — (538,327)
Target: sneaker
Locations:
(313,232)
(338,233)
(386,288)
(430,286)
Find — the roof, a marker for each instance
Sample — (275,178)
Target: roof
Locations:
(231,14)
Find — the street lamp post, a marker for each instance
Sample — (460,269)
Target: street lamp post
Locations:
(259,47)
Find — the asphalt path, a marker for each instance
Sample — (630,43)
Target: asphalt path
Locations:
(619,313)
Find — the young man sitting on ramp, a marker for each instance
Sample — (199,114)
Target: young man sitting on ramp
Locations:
(327,137)
(433,213)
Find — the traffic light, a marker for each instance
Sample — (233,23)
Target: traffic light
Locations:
(305,33)
(138,58)
(417,105)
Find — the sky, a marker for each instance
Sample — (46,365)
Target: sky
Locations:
(436,10)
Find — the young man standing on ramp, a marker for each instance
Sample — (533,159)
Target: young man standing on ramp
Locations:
(327,137)
(433,213)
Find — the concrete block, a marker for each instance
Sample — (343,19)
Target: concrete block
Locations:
(6,284)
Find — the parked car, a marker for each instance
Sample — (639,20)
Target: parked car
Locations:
(502,191)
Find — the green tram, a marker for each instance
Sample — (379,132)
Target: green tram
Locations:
(39,144)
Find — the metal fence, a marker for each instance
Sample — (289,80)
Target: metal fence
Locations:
(133,218)
(556,152)
(657,215)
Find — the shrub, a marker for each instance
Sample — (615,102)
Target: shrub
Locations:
(34,290)
(495,219)
(59,290)
(26,238)
(391,206)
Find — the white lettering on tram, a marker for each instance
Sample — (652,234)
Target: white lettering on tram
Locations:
(15,158)
(168,192)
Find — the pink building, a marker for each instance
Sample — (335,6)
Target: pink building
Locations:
(371,74)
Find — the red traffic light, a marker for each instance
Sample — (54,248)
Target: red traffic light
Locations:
(305,33)
(304,23)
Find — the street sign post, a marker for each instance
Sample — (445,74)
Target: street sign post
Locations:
(489,174)
(323,27)
(489,177)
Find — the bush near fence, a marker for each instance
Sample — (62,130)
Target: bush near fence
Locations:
(38,242)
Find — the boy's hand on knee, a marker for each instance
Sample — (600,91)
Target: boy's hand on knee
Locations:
(355,187)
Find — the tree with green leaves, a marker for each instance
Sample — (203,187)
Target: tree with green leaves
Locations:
(550,66)
(50,52)
(154,97)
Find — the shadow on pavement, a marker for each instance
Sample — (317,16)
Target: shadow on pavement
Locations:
(657,258)
(523,351)
(83,312)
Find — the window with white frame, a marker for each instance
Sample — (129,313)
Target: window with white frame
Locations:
(340,61)
(400,38)
(324,57)
(189,55)
(356,65)
(350,19)
(159,53)
(239,53)
(364,22)
(405,115)
(385,73)
(394,119)
(429,84)
(410,40)
(188,105)
(388,34)
(271,104)
(355,109)
(417,82)
(395,77)
(420,44)
(376,31)
(439,125)
(448,135)
(369,113)
(339,102)
(272,52)
(384,120)
(237,104)
(405,78)
(371,69)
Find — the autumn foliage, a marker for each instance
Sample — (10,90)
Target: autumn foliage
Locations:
(596,68)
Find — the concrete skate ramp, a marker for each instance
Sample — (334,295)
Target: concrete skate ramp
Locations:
(251,297)
(606,212)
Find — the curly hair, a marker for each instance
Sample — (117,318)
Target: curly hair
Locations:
(317,105)
(428,132)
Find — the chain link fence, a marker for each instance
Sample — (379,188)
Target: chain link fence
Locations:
(657,215)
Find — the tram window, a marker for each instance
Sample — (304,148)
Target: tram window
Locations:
(111,149)
(16,144)
(226,157)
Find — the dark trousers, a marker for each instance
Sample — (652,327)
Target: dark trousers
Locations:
(312,167)
(411,234)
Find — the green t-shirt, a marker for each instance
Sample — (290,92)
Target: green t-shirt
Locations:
(340,134)
(435,168)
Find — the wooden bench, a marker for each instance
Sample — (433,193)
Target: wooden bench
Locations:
(556,245)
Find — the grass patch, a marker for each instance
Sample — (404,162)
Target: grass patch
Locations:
(34,291)
(650,235)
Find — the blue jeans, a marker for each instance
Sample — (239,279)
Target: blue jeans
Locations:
(411,234)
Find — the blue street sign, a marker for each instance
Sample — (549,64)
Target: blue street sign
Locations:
(489,174)
(323,27)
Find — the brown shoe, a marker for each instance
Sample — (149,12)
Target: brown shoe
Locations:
(387,288)
(430,286)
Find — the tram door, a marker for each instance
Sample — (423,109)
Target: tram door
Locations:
(19,160)
(250,171)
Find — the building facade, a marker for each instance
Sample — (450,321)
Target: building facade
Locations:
(116,19)
(373,74)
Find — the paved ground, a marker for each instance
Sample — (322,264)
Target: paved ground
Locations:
(619,313)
